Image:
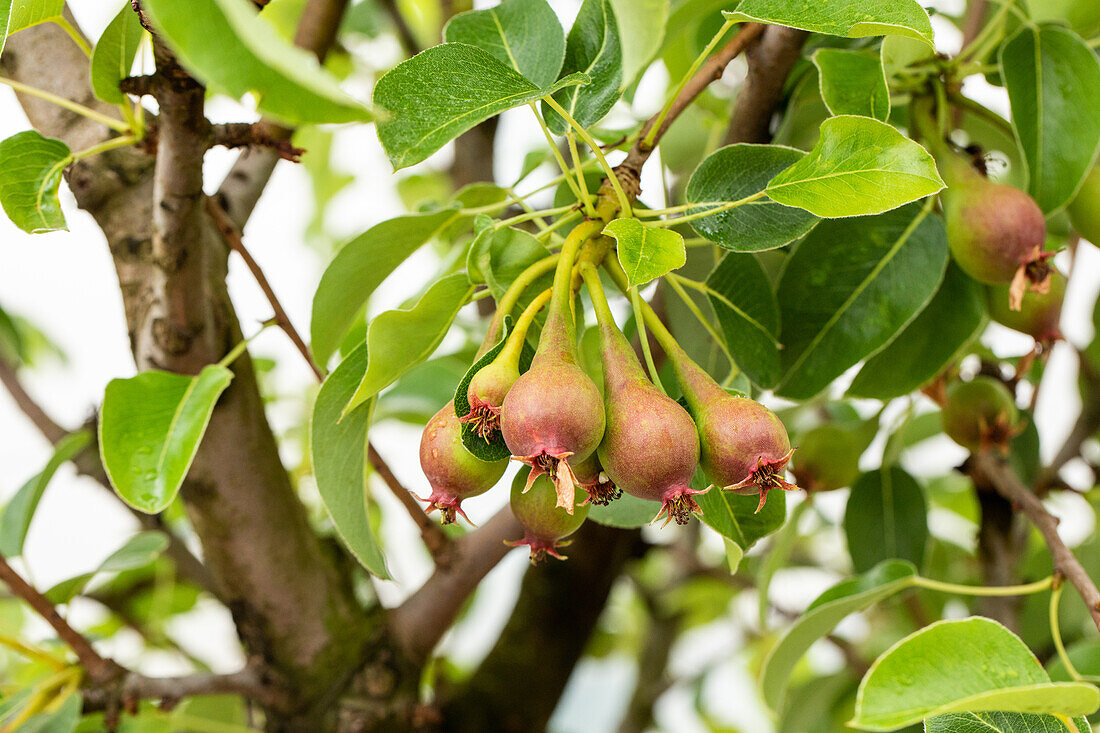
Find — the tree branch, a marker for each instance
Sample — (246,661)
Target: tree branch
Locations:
(418,624)
(133,687)
(401,26)
(630,169)
(26,404)
(99,668)
(770,60)
(254,135)
(558,607)
(1008,485)
(434,538)
(245,182)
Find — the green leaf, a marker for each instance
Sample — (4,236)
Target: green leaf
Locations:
(642,25)
(593,48)
(16,517)
(360,267)
(831,607)
(998,722)
(488,452)
(734,516)
(859,166)
(953,317)
(444,91)
(523,34)
(626,512)
(646,252)
(1052,76)
(508,253)
(63,719)
(853,83)
(972,664)
(849,18)
(139,551)
(224,44)
(849,287)
(150,427)
(30,173)
(114,53)
(15,15)
(339,448)
(400,339)
(747,311)
(737,172)
(886,518)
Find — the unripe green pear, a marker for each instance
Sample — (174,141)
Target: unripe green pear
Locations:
(544,523)
(1039,313)
(827,459)
(453,472)
(980,414)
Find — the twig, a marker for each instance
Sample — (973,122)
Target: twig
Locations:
(419,623)
(433,536)
(255,134)
(169,690)
(1087,424)
(1002,478)
(232,236)
(437,542)
(629,171)
(99,668)
(404,32)
(27,405)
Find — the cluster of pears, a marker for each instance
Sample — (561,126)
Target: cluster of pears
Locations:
(584,445)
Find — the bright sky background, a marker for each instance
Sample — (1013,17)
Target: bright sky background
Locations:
(66,284)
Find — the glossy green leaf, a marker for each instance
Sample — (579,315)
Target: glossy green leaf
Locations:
(398,340)
(626,512)
(735,517)
(999,722)
(508,253)
(139,551)
(953,317)
(15,15)
(849,287)
(748,313)
(829,609)
(114,52)
(226,46)
(444,91)
(642,25)
(488,452)
(523,34)
(886,518)
(646,252)
(18,512)
(972,664)
(859,166)
(737,172)
(593,48)
(360,267)
(339,448)
(1052,76)
(150,427)
(850,18)
(30,173)
(853,83)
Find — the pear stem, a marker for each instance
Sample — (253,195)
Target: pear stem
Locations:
(560,330)
(513,347)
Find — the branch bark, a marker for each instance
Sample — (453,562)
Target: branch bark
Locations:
(1005,481)
(99,668)
(558,607)
(419,623)
(770,60)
